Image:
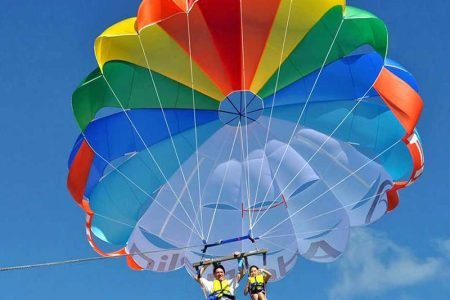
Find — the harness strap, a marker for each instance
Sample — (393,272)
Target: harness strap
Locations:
(223,292)
(257,286)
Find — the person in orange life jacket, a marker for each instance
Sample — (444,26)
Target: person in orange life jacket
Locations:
(220,288)
(256,283)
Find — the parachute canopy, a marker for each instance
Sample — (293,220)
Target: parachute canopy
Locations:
(279,121)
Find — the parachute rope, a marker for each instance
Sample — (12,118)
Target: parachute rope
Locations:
(151,155)
(274,97)
(279,246)
(129,225)
(221,186)
(246,183)
(329,136)
(244,85)
(318,231)
(328,63)
(324,214)
(264,236)
(328,190)
(88,259)
(172,142)
(298,121)
(140,188)
(195,124)
(320,148)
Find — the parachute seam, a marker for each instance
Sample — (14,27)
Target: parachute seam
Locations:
(171,138)
(325,152)
(149,152)
(140,188)
(304,107)
(246,170)
(195,120)
(329,189)
(324,214)
(274,97)
(329,136)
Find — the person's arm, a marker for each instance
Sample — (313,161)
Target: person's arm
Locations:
(199,276)
(240,275)
(241,267)
(266,274)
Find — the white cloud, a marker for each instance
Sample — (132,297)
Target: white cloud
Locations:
(374,264)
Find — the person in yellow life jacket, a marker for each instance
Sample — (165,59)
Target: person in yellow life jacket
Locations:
(220,288)
(256,284)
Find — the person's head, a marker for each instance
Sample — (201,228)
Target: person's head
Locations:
(219,272)
(253,271)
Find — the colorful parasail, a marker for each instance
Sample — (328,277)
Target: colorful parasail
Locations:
(217,126)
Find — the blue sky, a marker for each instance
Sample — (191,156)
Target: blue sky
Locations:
(46,48)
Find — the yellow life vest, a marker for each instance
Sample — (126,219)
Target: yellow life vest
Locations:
(221,288)
(257,284)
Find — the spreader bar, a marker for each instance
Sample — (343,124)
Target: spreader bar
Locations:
(230,257)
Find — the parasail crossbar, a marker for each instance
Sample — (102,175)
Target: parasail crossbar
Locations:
(242,255)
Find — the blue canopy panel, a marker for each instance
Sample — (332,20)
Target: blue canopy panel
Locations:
(346,79)
(370,128)
(123,194)
(115,136)
(401,72)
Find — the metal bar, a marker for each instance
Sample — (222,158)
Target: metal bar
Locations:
(241,238)
(229,257)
